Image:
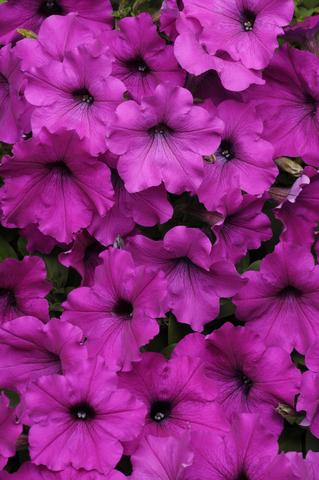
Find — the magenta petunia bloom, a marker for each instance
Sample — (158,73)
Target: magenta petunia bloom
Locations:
(13,108)
(10,430)
(247,452)
(196,56)
(162,458)
(244,160)
(309,398)
(85,411)
(305,34)
(68,33)
(147,208)
(29,14)
(36,241)
(304,468)
(196,281)
(23,288)
(288,102)
(280,302)
(163,140)
(76,94)
(240,227)
(142,59)
(247,376)
(30,349)
(118,312)
(245,29)
(52,181)
(29,471)
(312,356)
(83,257)
(177,396)
(169,14)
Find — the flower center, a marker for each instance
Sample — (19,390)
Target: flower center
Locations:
(242,476)
(83,95)
(245,382)
(248,20)
(290,291)
(160,410)
(311,103)
(50,7)
(160,129)
(3,80)
(59,167)
(82,411)
(226,150)
(8,296)
(123,308)
(138,64)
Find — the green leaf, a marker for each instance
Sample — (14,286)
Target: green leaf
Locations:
(227,308)
(254,266)
(3,1)
(13,397)
(22,246)
(6,250)
(27,33)
(57,273)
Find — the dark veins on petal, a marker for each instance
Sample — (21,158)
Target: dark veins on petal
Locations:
(82,411)
(160,410)
(123,308)
(138,65)
(82,95)
(50,7)
(311,103)
(248,20)
(226,149)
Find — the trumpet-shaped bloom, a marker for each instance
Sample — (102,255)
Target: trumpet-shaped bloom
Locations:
(52,181)
(196,281)
(163,139)
(29,14)
(280,302)
(246,29)
(177,395)
(143,60)
(247,376)
(29,471)
(244,160)
(30,349)
(23,288)
(118,312)
(76,94)
(85,411)
(10,430)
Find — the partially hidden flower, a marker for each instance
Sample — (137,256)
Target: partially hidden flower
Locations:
(10,430)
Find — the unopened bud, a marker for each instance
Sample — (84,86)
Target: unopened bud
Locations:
(290,166)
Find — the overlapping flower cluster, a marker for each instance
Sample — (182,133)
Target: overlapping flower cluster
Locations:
(172,162)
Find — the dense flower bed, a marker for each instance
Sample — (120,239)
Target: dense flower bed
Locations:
(159,278)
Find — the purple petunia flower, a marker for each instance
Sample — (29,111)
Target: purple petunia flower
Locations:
(288,102)
(309,400)
(305,34)
(142,59)
(177,396)
(196,281)
(85,411)
(280,302)
(246,29)
(14,119)
(162,458)
(248,451)
(23,288)
(52,181)
(10,430)
(169,14)
(118,312)
(240,227)
(30,349)
(247,376)
(77,94)
(29,14)
(36,241)
(83,257)
(244,160)
(163,140)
